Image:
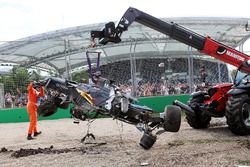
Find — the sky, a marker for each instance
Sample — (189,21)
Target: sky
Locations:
(23,18)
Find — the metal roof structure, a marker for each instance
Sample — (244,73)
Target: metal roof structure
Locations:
(65,49)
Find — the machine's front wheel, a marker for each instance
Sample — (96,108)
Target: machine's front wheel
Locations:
(200,119)
(238,114)
(147,141)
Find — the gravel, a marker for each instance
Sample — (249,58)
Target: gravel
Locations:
(116,144)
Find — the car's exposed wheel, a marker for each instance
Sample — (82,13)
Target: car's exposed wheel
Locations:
(147,141)
(172,118)
(78,114)
(238,114)
(64,105)
(46,109)
(59,103)
(199,120)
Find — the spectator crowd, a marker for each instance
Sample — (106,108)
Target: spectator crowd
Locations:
(153,80)
(12,101)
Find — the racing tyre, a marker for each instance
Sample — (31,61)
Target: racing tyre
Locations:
(78,114)
(172,118)
(238,114)
(199,120)
(58,101)
(63,105)
(147,141)
(46,109)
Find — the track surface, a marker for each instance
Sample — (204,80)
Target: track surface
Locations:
(117,145)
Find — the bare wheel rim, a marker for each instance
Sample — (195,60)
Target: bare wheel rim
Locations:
(246,114)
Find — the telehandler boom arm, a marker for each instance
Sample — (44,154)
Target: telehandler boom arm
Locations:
(204,44)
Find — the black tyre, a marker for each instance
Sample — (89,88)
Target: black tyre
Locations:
(147,141)
(238,114)
(58,101)
(46,109)
(172,118)
(199,120)
(78,114)
(63,105)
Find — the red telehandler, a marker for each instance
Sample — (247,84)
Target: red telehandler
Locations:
(230,100)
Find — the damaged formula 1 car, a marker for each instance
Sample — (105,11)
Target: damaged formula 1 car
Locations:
(107,99)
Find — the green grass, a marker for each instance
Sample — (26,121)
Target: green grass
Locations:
(207,141)
(201,141)
(244,162)
(176,143)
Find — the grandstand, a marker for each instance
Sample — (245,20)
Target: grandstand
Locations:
(144,55)
(148,70)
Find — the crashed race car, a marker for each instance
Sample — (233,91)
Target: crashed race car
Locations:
(105,98)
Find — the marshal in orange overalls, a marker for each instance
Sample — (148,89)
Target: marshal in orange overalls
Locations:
(33,94)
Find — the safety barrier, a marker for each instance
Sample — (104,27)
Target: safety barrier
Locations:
(157,103)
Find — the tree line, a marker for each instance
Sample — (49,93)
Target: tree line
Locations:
(17,80)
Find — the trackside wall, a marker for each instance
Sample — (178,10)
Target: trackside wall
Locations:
(157,103)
